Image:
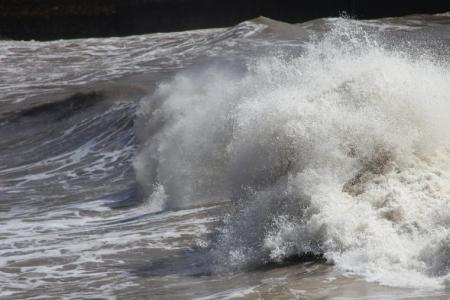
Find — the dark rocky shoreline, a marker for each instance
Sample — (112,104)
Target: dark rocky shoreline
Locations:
(56,19)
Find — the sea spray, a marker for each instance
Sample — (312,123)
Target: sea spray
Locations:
(340,150)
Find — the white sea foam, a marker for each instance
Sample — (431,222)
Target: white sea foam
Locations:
(341,151)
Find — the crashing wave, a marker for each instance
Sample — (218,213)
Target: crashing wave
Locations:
(340,151)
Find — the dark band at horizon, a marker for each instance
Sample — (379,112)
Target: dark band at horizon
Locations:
(57,19)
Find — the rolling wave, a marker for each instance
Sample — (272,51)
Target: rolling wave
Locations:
(140,165)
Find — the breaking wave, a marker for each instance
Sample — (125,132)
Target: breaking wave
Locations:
(340,150)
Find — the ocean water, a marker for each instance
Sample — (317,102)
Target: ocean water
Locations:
(262,161)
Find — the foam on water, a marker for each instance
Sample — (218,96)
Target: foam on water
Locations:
(341,150)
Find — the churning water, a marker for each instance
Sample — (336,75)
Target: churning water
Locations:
(262,161)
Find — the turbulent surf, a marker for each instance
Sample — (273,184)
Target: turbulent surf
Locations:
(264,160)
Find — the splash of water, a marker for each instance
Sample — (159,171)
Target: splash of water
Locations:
(341,150)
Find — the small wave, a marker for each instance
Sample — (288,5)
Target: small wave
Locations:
(60,109)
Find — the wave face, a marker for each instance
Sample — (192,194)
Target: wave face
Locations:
(338,148)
